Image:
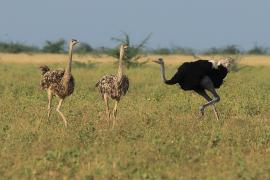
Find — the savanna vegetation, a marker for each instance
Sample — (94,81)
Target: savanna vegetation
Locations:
(158,134)
(136,50)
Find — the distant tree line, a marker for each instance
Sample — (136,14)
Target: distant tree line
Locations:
(60,46)
(230,49)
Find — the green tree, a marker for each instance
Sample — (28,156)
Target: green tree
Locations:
(134,52)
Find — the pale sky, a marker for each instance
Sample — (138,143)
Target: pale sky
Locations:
(198,24)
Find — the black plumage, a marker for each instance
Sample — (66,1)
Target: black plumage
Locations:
(199,76)
(190,74)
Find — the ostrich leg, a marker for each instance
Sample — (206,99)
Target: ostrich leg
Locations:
(49,102)
(205,95)
(215,111)
(115,112)
(208,85)
(106,100)
(115,108)
(58,110)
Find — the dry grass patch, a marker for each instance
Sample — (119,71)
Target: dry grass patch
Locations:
(252,60)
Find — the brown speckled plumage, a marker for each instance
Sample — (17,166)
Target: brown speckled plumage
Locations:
(53,80)
(108,85)
(58,83)
(114,86)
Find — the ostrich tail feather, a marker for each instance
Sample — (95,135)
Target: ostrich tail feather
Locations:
(44,69)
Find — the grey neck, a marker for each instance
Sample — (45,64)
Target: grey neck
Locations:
(162,69)
(120,66)
(67,74)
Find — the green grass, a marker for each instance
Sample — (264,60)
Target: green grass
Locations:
(158,134)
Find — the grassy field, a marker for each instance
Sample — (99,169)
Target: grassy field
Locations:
(158,134)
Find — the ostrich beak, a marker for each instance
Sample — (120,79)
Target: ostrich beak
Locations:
(156,61)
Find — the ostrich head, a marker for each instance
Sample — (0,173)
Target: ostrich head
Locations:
(123,48)
(159,61)
(73,42)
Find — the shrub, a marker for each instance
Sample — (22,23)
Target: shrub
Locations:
(134,52)
(54,46)
(183,50)
(16,48)
(162,51)
(230,49)
(84,48)
(258,50)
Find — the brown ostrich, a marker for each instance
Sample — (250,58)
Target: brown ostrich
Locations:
(59,82)
(114,86)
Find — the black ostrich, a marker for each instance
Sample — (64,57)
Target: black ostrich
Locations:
(199,76)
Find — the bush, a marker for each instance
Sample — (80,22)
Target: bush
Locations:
(84,48)
(182,50)
(230,49)
(162,51)
(133,53)
(234,63)
(258,50)
(174,50)
(54,46)
(16,48)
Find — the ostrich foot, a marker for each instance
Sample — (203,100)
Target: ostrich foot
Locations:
(201,112)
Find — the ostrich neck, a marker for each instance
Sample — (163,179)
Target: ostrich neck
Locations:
(120,66)
(67,74)
(162,69)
